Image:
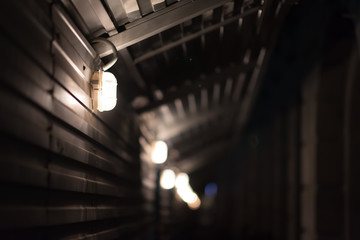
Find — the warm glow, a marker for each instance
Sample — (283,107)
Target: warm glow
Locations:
(159,152)
(185,191)
(167,180)
(195,205)
(182,180)
(107,93)
(187,194)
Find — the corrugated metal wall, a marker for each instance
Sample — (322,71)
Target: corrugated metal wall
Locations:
(66,171)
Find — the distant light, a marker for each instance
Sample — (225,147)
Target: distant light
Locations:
(182,180)
(211,189)
(107,92)
(195,205)
(187,194)
(167,179)
(185,191)
(159,152)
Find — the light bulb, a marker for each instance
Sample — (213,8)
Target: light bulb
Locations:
(159,152)
(182,180)
(185,191)
(187,194)
(107,93)
(195,205)
(167,179)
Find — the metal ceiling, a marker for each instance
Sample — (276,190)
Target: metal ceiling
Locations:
(195,65)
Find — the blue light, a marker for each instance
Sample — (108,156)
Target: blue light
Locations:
(211,189)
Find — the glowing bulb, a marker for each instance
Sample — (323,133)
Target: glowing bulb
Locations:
(187,194)
(107,93)
(185,191)
(195,205)
(182,180)
(167,179)
(159,152)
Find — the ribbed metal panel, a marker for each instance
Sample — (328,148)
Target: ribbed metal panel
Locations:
(65,171)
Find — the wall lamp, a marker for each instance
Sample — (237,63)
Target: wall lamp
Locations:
(159,152)
(104,84)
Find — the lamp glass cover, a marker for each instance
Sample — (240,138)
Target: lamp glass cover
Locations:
(107,94)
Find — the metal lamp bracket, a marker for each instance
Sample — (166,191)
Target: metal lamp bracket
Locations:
(96,78)
(115,56)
